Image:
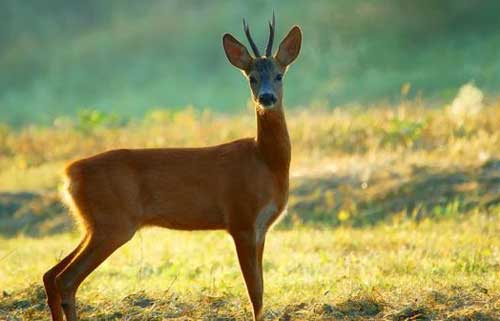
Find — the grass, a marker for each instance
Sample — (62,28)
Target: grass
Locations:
(447,270)
(337,141)
(352,167)
(394,214)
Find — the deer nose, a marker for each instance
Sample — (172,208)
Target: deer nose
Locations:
(267,99)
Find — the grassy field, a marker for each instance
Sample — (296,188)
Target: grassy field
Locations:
(394,214)
(447,270)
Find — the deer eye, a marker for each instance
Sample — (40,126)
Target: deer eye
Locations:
(278,77)
(253,80)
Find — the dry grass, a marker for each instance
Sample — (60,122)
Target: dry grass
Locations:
(393,215)
(339,140)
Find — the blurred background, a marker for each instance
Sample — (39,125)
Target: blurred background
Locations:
(126,57)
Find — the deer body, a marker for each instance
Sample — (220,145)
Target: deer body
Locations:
(180,188)
(240,187)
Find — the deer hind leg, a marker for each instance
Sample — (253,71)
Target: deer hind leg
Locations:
(49,281)
(249,250)
(100,245)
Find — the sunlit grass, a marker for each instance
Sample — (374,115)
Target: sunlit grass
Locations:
(440,270)
(406,135)
(393,215)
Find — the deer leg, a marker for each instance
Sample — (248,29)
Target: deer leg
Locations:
(49,282)
(99,247)
(249,251)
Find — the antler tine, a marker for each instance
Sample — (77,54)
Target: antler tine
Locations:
(272,26)
(250,40)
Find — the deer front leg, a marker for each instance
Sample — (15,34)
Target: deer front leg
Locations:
(249,250)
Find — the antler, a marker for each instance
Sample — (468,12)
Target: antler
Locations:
(250,40)
(269,48)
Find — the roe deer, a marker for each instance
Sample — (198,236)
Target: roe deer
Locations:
(240,186)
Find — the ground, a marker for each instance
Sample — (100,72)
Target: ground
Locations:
(427,271)
(394,214)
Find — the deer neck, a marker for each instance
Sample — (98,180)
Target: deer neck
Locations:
(273,141)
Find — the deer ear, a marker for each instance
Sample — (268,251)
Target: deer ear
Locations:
(236,53)
(290,47)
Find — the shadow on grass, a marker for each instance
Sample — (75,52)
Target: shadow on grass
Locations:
(451,304)
(423,192)
(33,214)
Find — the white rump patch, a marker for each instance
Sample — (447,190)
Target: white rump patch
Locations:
(65,194)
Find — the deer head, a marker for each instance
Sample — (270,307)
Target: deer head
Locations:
(264,73)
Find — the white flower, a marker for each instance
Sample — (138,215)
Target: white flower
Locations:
(468,102)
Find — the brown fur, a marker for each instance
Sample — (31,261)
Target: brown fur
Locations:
(227,186)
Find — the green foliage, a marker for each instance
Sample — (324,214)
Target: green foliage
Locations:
(90,119)
(451,209)
(401,132)
(4,132)
(128,56)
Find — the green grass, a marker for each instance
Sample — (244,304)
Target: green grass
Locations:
(394,214)
(447,270)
